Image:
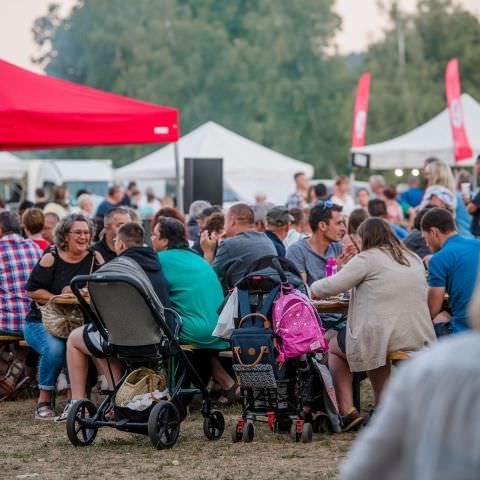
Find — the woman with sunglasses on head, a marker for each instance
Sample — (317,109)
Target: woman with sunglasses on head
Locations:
(380,320)
(70,256)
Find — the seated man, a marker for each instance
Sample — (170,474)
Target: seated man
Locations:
(452,269)
(86,341)
(18,256)
(310,255)
(378,208)
(278,225)
(113,220)
(243,246)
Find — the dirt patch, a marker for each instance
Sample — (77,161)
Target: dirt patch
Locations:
(40,450)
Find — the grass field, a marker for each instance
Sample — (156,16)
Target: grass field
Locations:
(40,450)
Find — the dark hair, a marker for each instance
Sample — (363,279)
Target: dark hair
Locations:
(206,212)
(417,222)
(298,215)
(131,234)
(115,211)
(33,220)
(355,219)
(377,233)
(24,205)
(65,225)
(169,212)
(320,190)
(39,192)
(243,213)
(298,174)
(174,231)
(113,190)
(377,207)
(390,192)
(10,223)
(215,222)
(320,212)
(439,218)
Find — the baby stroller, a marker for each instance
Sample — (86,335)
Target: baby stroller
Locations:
(271,393)
(137,330)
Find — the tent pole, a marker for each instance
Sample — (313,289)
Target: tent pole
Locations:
(178,180)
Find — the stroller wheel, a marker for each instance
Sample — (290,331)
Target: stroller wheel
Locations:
(248,432)
(236,430)
(79,434)
(164,425)
(214,425)
(307,433)
(295,435)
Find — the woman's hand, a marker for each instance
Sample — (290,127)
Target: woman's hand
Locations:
(67,289)
(348,253)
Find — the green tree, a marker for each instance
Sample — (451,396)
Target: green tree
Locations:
(408,66)
(258,68)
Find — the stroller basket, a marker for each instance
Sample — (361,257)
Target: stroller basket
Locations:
(259,376)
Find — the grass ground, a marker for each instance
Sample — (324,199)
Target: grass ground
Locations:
(40,450)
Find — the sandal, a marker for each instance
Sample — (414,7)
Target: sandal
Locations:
(44,411)
(230,396)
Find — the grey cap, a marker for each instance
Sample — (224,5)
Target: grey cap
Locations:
(279,217)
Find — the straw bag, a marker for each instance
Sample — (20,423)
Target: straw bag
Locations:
(140,381)
(60,320)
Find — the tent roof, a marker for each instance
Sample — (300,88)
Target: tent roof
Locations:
(39,112)
(249,168)
(433,138)
(11,167)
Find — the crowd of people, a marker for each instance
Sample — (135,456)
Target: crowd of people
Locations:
(409,261)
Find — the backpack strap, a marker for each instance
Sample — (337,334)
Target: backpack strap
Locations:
(243,302)
(266,307)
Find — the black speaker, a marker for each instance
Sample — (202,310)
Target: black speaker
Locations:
(203,180)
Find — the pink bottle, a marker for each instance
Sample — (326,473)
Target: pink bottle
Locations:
(331,268)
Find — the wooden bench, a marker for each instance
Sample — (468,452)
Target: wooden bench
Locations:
(10,338)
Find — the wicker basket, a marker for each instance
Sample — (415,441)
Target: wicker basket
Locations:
(140,381)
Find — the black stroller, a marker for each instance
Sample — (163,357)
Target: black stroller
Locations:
(270,394)
(137,330)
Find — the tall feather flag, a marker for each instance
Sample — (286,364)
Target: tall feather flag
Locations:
(361,111)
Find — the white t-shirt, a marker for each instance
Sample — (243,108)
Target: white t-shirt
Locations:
(348,204)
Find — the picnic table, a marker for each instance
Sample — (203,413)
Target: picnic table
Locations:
(332,305)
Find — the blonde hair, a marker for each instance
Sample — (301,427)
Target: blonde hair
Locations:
(474,307)
(441,174)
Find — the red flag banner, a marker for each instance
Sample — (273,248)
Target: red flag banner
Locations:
(361,111)
(453,91)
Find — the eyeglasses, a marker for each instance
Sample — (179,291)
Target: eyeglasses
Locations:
(79,233)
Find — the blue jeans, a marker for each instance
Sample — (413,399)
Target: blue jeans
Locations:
(51,350)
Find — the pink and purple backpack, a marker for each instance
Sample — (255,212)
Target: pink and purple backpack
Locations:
(298,326)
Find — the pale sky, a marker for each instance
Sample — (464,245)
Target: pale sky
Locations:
(362,23)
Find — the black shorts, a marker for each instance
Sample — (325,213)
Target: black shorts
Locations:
(94,341)
(341,339)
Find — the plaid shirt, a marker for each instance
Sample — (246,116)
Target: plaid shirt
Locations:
(296,200)
(17,259)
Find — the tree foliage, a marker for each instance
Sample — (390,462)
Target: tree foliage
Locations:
(262,68)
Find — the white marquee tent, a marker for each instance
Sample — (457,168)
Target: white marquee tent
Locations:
(433,138)
(12,167)
(249,168)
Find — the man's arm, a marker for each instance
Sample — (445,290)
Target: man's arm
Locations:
(435,300)
(474,205)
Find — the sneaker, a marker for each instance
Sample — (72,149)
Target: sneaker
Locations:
(352,420)
(64,415)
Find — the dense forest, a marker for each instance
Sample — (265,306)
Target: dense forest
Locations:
(266,69)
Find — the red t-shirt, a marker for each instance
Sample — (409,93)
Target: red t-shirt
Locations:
(43,244)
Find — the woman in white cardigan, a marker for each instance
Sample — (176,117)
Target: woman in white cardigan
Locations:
(388,311)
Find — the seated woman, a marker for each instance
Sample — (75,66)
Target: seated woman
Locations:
(51,276)
(195,293)
(388,312)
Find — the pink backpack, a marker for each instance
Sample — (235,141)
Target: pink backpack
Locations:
(297,323)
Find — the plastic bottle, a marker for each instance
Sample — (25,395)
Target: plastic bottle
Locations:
(331,268)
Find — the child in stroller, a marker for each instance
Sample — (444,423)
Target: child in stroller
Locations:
(297,396)
(136,329)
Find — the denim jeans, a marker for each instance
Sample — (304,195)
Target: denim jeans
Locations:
(51,350)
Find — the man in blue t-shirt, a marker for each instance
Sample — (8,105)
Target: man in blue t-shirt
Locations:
(452,270)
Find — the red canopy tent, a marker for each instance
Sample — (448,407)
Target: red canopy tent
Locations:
(42,112)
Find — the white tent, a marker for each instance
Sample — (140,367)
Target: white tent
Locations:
(433,138)
(248,168)
(12,167)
